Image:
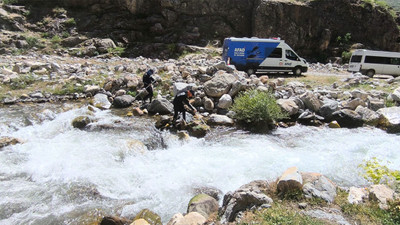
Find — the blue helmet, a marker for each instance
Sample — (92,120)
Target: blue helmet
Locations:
(149,72)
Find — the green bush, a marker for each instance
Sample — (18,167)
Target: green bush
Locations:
(254,107)
(346,56)
(377,173)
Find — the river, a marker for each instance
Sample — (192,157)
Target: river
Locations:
(121,165)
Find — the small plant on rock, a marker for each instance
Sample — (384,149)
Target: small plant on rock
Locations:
(377,173)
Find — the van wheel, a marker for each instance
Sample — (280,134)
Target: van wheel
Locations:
(250,71)
(297,71)
(370,73)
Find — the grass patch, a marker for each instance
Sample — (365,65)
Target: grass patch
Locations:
(316,80)
(279,214)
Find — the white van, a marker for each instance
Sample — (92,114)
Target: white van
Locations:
(262,55)
(375,62)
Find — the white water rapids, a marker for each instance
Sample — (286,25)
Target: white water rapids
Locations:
(63,175)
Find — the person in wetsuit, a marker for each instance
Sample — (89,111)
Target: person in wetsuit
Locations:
(148,81)
(181,99)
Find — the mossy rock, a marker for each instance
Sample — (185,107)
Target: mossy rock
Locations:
(151,217)
(203,204)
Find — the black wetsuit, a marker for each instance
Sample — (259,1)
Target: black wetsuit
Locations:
(147,81)
(180,100)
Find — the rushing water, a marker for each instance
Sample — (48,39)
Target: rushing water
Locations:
(121,165)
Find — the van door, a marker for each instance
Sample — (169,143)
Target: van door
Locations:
(393,68)
(273,61)
(355,63)
(291,59)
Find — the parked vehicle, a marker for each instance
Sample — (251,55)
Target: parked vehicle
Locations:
(375,62)
(262,55)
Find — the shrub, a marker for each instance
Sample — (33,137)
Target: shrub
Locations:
(346,56)
(377,173)
(70,22)
(254,107)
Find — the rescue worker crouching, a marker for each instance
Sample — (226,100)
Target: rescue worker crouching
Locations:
(181,99)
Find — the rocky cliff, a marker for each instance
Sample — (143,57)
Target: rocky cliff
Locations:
(311,27)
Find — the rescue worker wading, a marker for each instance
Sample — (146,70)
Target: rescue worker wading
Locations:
(180,100)
(148,81)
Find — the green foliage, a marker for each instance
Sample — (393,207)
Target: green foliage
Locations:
(56,39)
(377,173)
(22,82)
(32,41)
(9,2)
(346,56)
(278,214)
(68,88)
(131,93)
(344,40)
(116,51)
(389,103)
(70,22)
(253,107)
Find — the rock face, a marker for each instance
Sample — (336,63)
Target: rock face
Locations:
(194,22)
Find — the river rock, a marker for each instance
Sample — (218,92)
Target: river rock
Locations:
(368,116)
(237,86)
(219,85)
(289,106)
(391,119)
(6,141)
(113,220)
(244,198)
(331,214)
(161,106)
(225,101)
(208,104)
(216,119)
(140,222)
(203,204)
(81,122)
(353,104)
(123,101)
(347,118)
(382,194)
(291,182)
(192,218)
(357,195)
(328,108)
(151,217)
(320,187)
(101,101)
(311,101)
(396,94)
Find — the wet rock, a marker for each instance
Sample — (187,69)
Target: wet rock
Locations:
(211,191)
(203,204)
(101,101)
(6,141)
(334,124)
(113,220)
(81,122)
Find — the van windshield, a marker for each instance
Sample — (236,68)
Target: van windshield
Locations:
(291,55)
(356,58)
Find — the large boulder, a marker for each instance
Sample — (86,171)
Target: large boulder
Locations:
(203,204)
(382,194)
(219,85)
(369,116)
(311,101)
(328,108)
(161,106)
(222,120)
(101,101)
(244,198)
(320,187)
(289,106)
(348,118)
(123,101)
(225,101)
(391,119)
(290,183)
(81,122)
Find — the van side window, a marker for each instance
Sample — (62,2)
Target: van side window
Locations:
(290,55)
(395,61)
(276,53)
(356,58)
(377,60)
